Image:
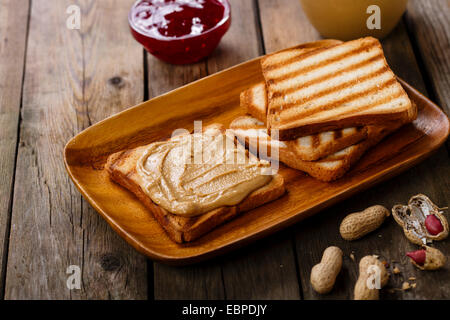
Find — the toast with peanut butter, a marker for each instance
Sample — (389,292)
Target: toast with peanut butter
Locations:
(125,168)
(308,148)
(252,133)
(344,85)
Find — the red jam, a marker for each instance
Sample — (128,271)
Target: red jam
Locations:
(180,31)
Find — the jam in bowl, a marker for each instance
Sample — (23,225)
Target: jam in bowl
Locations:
(180,31)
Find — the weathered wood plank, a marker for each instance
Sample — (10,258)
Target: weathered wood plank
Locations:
(191,282)
(429,25)
(73,78)
(284,24)
(241,272)
(321,231)
(265,270)
(12,51)
(242,41)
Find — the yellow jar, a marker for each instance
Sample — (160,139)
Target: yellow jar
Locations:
(348,19)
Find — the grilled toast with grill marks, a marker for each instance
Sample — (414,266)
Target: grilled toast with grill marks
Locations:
(348,84)
(121,167)
(251,132)
(254,101)
(257,95)
(290,53)
(306,148)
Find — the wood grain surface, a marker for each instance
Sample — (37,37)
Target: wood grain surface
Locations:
(429,26)
(73,79)
(12,49)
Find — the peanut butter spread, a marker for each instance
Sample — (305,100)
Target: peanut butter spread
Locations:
(192,174)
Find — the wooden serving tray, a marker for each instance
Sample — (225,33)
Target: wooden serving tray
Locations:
(216,99)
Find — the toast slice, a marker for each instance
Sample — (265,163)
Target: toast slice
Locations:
(121,167)
(254,101)
(287,54)
(348,84)
(252,133)
(255,98)
(308,148)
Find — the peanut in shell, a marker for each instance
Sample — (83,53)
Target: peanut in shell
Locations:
(323,274)
(412,219)
(362,290)
(434,259)
(358,224)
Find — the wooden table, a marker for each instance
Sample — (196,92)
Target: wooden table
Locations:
(55,82)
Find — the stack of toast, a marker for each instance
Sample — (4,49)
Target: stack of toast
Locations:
(323,106)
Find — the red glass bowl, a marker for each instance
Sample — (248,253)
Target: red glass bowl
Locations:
(185,49)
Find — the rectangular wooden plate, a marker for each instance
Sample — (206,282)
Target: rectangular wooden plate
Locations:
(216,99)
